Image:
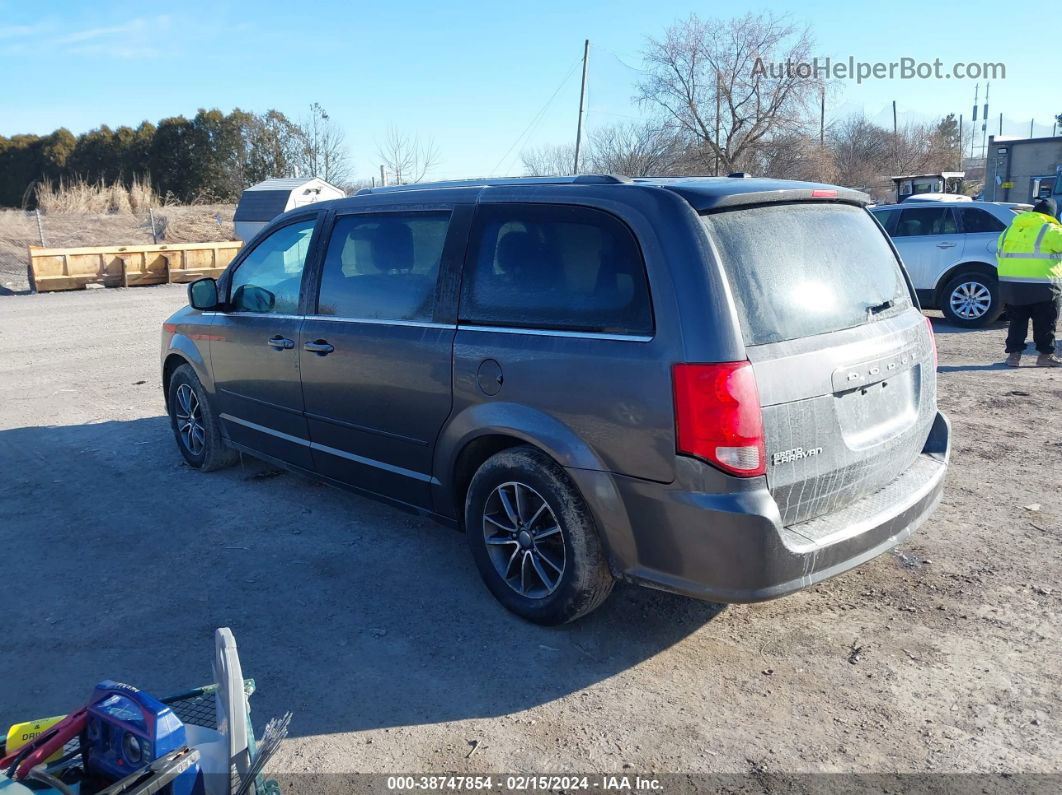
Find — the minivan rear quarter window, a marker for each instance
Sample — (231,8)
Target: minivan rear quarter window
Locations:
(797,270)
(555,267)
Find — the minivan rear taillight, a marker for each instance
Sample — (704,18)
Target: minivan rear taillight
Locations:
(718,416)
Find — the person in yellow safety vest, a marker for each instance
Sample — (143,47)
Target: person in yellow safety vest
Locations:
(1029,258)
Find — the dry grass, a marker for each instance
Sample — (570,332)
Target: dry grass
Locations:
(79,196)
(174,224)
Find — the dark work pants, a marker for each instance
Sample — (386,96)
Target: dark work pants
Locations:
(1043,315)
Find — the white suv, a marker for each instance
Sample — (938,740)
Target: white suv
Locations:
(949,249)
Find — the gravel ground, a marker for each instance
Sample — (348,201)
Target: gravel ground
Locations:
(371,625)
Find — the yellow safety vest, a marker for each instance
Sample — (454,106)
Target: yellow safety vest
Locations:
(1029,259)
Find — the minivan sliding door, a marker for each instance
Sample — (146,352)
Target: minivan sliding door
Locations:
(376,354)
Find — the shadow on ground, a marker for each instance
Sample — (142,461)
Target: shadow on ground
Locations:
(121,561)
(942,326)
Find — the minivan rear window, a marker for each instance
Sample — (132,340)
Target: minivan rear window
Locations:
(801,269)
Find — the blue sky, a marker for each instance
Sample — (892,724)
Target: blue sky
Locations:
(471,75)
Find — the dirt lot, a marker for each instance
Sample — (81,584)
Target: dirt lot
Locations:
(372,625)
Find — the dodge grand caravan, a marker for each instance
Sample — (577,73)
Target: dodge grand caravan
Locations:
(719,387)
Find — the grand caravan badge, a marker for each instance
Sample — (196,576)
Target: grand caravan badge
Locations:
(795,454)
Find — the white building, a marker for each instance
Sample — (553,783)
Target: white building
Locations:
(261,203)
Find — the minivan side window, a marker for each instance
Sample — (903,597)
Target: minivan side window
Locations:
(269,278)
(383,266)
(555,267)
(919,221)
(975,220)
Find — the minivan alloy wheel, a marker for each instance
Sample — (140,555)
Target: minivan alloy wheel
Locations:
(190,420)
(524,540)
(970,300)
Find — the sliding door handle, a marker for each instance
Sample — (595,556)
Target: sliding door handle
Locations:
(280,343)
(320,347)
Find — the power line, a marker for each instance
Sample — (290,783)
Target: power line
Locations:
(538,116)
(622,62)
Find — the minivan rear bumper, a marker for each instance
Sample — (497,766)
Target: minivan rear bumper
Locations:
(731,546)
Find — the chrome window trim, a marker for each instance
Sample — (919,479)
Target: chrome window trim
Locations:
(540,332)
(254,314)
(588,335)
(335,319)
(380,321)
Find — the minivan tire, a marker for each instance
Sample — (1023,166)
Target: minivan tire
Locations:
(209,452)
(978,279)
(585,580)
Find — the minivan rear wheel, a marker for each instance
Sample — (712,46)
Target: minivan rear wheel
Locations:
(971,300)
(534,539)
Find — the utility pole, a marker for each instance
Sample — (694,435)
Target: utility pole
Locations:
(582,94)
(718,88)
(1031,127)
(960,142)
(822,117)
(984,124)
(382,180)
(895,139)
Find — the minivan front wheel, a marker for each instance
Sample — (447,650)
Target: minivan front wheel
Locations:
(533,538)
(195,427)
(971,300)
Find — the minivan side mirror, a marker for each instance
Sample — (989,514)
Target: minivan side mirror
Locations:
(203,294)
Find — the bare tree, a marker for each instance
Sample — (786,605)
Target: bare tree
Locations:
(861,151)
(637,149)
(793,156)
(634,149)
(726,83)
(323,152)
(407,159)
(865,155)
(549,160)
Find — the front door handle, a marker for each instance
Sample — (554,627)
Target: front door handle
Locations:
(945,245)
(280,343)
(320,347)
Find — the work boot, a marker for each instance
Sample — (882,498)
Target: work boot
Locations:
(1013,360)
(1048,360)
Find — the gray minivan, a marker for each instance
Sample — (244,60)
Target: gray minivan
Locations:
(719,387)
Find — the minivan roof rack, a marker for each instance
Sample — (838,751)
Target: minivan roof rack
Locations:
(581,179)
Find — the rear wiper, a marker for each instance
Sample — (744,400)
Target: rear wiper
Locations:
(877,309)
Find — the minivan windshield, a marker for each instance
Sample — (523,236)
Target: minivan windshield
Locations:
(806,268)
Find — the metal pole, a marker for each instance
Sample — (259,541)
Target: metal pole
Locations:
(40,227)
(895,138)
(154,234)
(582,94)
(718,87)
(822,118)
(960,142)
(1031,127)
(382,180)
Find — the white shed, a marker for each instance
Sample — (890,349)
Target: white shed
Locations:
(261,203)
